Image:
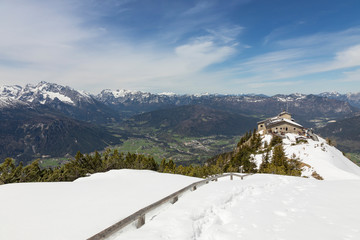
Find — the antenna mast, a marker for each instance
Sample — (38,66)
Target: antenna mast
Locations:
(287,106)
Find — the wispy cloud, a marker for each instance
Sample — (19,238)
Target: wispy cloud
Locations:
(275,84)
(351,76)
(199,7)
(300,57)
(56,43)
(167,46)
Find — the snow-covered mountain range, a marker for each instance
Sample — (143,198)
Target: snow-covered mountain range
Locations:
(46,93)
(352,98)
(124,103)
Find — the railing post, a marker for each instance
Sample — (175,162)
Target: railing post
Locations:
(231,176)
(140,221)
(193,188)
(174,200)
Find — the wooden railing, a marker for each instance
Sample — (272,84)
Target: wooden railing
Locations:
(139,217)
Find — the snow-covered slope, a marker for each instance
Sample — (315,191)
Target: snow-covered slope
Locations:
(326,160)
(317,156)
(80,209)
(261,206)
(9,102)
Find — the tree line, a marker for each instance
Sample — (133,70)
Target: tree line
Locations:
(82,165)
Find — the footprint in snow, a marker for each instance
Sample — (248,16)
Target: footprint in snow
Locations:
(281,214)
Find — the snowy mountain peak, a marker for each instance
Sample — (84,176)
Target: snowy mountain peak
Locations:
(330,94)
(119,93)
(10,91)
(44,93)
(352,98)
(168,94)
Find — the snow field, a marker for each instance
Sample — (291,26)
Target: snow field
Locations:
(80,209)
(260,207)
(326,160)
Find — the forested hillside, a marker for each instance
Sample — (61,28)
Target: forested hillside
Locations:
(82,165)
(345,132)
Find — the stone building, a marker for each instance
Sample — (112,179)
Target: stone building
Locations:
(281,124)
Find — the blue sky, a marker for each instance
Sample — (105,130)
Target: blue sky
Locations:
(228,46)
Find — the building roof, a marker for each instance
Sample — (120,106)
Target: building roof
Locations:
(284,112)
(292,122)
(281,121)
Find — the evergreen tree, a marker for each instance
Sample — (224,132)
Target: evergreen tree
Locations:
(275,140)
(163,165)
(32,172)
(265,162)
(6,171)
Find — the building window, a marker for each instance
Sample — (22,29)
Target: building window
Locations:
(286,128)
(261,125)
(294,128)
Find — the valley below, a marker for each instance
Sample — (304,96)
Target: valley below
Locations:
(53,122)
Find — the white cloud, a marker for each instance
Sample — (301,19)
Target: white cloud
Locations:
(52,41)
(200,54)
(38,32)
(351,76)
(348,58)
(302,57)
(199,7)
(276,56)
(324,40)
(61,41)
(272,84)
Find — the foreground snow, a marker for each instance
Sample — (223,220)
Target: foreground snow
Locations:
(80,209)
(260,207)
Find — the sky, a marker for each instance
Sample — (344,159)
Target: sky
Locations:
(228,47)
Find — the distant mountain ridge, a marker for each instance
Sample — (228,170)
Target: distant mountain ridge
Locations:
(45,93)
(194,120)
(213,114)
(64,100)
(129,103)
(305,108)
(352,98)
(28,133)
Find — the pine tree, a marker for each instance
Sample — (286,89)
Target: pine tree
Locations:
(265,163)
(32,172)
(7,169)
(279,158)
(163,165)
